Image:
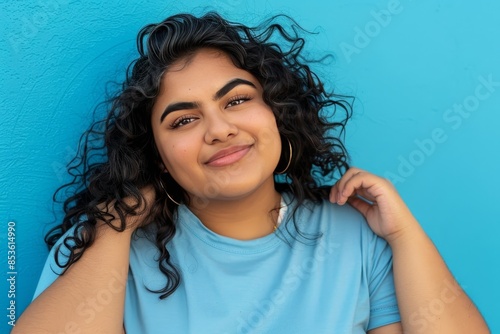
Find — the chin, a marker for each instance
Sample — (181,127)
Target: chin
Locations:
(235,188)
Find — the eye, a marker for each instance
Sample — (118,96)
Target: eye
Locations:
(237,100)
(181,121)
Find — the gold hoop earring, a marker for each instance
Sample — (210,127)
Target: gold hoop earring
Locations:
(166,192)
(289,158)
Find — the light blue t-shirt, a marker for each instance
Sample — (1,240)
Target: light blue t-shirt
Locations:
(340,283)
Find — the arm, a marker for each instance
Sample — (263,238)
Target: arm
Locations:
(429,298)
(90,296)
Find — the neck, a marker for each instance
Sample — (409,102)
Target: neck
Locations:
(250,217)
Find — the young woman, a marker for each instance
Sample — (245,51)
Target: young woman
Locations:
(207,214)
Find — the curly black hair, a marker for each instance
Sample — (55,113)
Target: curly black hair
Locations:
(118,156)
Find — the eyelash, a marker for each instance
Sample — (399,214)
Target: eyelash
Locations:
(242,98)
(178,122)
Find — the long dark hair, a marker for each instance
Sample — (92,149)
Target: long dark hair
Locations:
(118,157)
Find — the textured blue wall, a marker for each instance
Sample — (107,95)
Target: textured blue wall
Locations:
(425,73)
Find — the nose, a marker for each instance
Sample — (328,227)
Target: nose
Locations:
(219,127)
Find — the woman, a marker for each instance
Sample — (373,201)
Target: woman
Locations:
(206,216)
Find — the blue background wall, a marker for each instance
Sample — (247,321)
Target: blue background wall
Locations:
(411,71)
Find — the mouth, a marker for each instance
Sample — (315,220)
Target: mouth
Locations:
(228,156)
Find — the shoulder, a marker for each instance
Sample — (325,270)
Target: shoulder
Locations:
(340,224)
(324,216)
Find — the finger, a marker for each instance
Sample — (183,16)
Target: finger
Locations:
(335,189)
(333,193)
(362,183)
(340,185)
(360,205)
(364,194)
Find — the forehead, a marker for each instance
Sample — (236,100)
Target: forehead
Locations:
(207,68)
(199,57)
(197,77)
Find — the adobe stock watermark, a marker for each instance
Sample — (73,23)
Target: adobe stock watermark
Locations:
(363,36)
(31,25)
(429,313)
(291,281)
(453,118)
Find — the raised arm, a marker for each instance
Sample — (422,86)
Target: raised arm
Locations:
(429,298)
(90,296)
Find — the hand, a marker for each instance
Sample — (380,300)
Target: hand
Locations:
(142,209)
(377,200)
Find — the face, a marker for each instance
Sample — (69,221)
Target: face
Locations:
(216,136)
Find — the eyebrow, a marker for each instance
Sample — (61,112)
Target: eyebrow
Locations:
(217,96)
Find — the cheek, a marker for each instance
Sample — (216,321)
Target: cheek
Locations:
(269,135)
(174,154)
(268,131)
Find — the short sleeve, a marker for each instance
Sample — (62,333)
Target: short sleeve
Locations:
(51,270)
(383,303)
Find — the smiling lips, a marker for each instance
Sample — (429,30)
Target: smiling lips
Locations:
(228,156)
